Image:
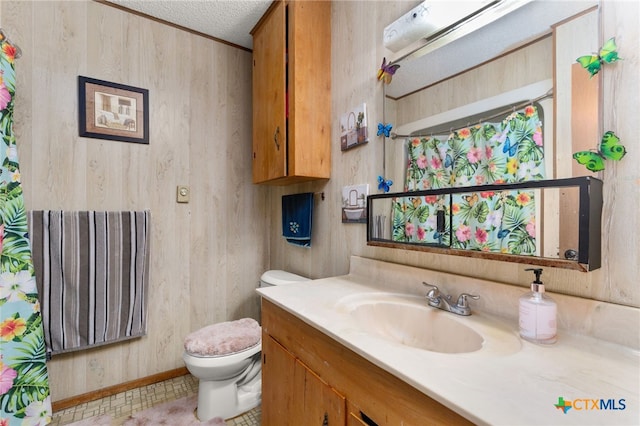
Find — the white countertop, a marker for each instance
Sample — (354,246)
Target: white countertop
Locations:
(515,384)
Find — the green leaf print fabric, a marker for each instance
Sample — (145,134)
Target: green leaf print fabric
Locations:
(24,382)
(507,151)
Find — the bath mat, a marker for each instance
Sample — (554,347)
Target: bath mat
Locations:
(179,412)
(104,420)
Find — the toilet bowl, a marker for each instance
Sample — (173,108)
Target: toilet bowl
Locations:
(226,359)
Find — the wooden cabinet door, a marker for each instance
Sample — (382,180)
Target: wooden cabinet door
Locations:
(278,386)
(317,404)
(269,97)
(292,395)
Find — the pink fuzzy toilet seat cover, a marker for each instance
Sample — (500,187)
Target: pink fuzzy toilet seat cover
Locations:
(223,338)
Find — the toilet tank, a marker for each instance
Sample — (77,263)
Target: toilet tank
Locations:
(278,277)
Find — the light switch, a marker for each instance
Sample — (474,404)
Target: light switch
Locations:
(182,194)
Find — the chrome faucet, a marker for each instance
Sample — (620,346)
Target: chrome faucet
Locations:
(437,300)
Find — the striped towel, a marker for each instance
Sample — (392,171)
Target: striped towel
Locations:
(92,272)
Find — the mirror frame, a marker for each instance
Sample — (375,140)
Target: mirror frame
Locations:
(589,223)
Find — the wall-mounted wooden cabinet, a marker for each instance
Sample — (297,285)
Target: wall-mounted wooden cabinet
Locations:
(292,93)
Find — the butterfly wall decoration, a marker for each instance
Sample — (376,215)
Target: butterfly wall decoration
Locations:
(610,148)
(607,54)
(384,129)
(384,184)
(386,71)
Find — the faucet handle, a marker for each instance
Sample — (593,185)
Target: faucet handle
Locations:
(434,292)
(462,299)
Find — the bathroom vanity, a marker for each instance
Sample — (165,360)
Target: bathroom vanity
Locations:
(365,348)
(317,377)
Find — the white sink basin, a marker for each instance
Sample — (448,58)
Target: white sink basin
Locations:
(420,327)
(409,321)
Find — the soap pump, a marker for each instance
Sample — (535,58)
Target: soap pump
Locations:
(537,313)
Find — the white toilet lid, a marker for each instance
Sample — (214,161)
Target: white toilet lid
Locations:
(279,277)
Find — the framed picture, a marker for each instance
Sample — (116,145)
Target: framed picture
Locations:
(113,111)
(354,203)
(353,128)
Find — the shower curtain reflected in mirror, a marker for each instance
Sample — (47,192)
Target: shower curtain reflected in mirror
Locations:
(506,151)
(24,382)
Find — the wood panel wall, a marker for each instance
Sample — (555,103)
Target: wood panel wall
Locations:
(207,255)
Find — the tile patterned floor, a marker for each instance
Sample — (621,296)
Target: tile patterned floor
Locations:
(122,405)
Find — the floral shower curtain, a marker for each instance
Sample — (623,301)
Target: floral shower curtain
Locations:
(507,151)
(24,383)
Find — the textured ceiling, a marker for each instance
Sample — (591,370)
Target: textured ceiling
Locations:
(228,20)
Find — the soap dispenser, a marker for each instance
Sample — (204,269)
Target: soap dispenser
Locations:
(537,313)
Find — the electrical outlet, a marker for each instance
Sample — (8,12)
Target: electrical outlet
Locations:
(182,194)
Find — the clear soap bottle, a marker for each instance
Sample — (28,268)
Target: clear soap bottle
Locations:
(537,314)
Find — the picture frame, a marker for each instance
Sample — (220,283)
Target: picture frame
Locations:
(353,128)
(354,203)
(113,111)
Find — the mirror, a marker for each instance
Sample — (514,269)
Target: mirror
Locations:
(528,54)
(496,223)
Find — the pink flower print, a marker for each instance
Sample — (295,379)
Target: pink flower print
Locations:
(531,229)
(436,163)
(463,233)
(474,155)
(537,136)
(481,236)
(5,96)
(415,142)
(488,152)
(422,162)
(421,233)
(431,199)
(7,375)
(409,228)
(480,180)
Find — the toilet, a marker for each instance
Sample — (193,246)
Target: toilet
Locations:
(226,359)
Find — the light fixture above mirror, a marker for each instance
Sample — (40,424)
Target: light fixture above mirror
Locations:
(497,28)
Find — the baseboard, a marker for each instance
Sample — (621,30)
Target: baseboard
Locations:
(112,390)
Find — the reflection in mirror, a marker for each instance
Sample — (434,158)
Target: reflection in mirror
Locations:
(429,61)
(521,221)
(522,71)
